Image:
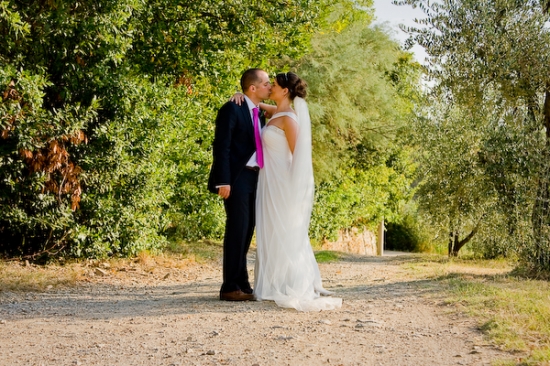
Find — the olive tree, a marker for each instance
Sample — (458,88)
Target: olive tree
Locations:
(496,52)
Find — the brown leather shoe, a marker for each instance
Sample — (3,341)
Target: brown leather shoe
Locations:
(236,296)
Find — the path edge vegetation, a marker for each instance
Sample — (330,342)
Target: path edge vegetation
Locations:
(510,308)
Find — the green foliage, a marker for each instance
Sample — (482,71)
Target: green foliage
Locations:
(107,110)
(411,233)
(485,139)
(107,116)
(501,45)
(399,237)
(476,168)
(355,98)
(361,198)
(222,38)
(194,212)
(452,186)
(361,88)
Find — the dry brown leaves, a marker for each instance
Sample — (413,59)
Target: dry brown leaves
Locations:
(53,160)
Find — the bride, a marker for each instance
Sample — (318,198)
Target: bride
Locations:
(286,270)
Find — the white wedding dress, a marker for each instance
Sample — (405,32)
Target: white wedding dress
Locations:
(286,270)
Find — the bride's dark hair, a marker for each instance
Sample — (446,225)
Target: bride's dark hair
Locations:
(296,87)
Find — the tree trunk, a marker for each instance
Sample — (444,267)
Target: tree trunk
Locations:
(541,210)
(546,6)
(453,237)
(547,114)
(455,245)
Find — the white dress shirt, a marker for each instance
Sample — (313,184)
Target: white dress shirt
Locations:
(253,162)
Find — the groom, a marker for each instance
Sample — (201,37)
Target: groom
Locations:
(234,177)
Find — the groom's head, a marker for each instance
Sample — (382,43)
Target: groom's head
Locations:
(256,85)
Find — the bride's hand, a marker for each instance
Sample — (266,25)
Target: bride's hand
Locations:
(238,98)
(268,110)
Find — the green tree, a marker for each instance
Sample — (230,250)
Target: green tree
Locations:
(362,89)
(454,188)
(496,53)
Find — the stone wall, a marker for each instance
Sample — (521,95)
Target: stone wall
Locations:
(353,241)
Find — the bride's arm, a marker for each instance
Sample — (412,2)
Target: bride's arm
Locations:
(290,127)
(238,98)
(269,109)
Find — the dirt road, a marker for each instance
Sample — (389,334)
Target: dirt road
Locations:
(132,316)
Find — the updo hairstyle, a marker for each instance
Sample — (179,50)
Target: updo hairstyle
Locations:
(296,86)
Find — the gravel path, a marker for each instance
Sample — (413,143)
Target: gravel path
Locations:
(172,316)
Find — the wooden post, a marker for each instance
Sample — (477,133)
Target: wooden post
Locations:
(380,239)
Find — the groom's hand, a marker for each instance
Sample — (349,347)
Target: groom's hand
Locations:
(224,191)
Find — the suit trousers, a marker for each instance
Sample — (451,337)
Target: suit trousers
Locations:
(240,209)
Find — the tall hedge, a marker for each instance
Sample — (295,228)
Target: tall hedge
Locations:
(106,114)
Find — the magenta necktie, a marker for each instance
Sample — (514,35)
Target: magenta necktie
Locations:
(259,151)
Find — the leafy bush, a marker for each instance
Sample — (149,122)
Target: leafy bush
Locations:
(106,116)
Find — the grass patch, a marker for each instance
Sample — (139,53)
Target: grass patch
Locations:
(512,311)
(20,276)
(516,311)
(16,276)
(325,256)
(200,251)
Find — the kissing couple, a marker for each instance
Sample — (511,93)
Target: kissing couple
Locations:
(263,171)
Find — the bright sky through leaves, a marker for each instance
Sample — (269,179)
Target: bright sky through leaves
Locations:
(394,15)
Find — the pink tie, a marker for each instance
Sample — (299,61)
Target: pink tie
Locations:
(259,151)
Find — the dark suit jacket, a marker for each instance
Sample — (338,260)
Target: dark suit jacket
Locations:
(233,144)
